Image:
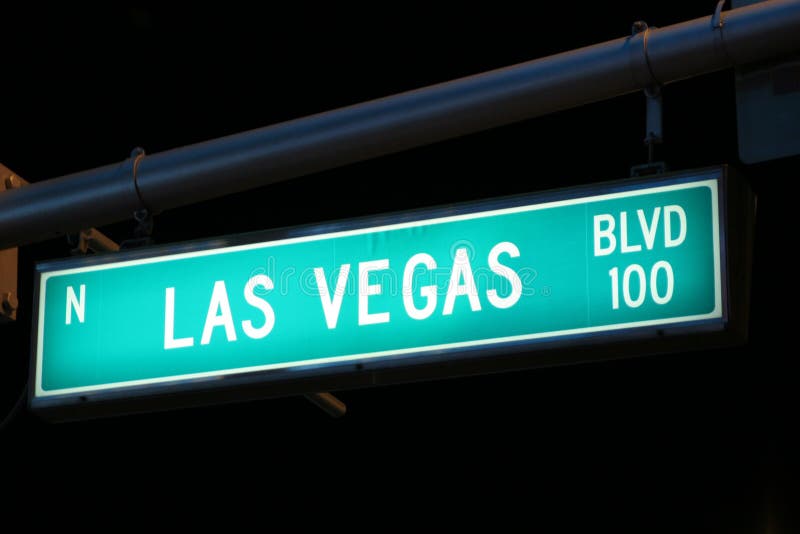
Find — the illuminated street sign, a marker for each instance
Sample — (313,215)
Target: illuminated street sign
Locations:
(389,292)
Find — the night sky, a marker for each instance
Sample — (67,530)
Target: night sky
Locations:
(694,441)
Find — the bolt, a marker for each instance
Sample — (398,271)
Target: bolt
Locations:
(638,27)
(9,303)
(12,182)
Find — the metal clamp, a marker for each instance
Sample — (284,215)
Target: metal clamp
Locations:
(717,20)
(717,26)
(142,233)
(641,27)
(137,154)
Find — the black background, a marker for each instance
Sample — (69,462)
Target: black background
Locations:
(696,441)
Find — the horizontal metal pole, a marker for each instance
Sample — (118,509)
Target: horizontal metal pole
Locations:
(94,239)
(67,204)
(251,159)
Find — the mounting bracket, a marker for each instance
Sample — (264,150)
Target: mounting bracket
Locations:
(9,302)
(653,110)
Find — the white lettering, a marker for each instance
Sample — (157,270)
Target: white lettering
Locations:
(365,290)
(600,233)
(169,324)
(667,268)
(219,301)
(332,305)
(253,300)
(670,241)
(496,300)
(461,267)
(649,231)
(429,292)
(78,305)
(626,285)
(623,228)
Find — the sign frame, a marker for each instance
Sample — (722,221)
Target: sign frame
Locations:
(736,212)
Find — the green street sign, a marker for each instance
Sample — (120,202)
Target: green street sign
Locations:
(392,291)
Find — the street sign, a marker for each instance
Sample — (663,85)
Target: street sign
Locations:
(569,266)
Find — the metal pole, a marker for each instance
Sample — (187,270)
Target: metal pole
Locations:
(251,159)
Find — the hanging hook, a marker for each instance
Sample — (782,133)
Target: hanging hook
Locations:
(653,110)
(144,218)
(717,20)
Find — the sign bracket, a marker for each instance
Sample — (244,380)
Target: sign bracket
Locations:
(653,112)
(328,403)
(9,301)
(91,240)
